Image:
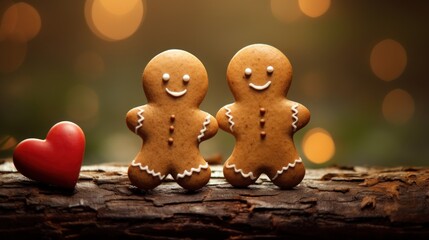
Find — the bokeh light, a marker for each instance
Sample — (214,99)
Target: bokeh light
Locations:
(20,22)
(114,20)
(82,61)
(82,103)
(318,145)
(388,59)
(285,11)
(314,8)
(398,107)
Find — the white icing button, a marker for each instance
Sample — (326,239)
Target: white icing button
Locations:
(186,78)
(270,69)
(165,77)
(248,71)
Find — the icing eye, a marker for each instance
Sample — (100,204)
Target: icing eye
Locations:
(248,71)
(165,77)
(270,69)
(186,78)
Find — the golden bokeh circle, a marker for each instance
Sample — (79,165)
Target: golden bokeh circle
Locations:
(119,7)
(113,20)
(318,145)
(388,59)
(20,22)
(398,106)
(285,11)
(314,8)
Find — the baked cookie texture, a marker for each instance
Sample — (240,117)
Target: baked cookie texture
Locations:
(171,124)
(262,120)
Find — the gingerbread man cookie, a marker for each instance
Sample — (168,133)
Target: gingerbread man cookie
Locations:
(262,120)
(171,125)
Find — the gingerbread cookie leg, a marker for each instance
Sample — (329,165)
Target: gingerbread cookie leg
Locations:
(195,177)
(290,175)
(143,177)
(237,177)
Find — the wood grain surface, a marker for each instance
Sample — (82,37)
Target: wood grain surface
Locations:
(330,203)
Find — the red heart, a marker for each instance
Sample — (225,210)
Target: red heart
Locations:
(56,160)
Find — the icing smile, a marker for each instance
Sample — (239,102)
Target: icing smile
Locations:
(176,94)
(260,87)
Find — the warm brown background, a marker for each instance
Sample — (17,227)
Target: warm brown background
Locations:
(68,72)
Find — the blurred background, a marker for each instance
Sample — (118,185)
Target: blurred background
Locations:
(359,66)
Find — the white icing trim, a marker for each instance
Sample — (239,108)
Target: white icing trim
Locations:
(237,170)
(270,69)
(189,173)
(204,129)
(295,116)
(175,94)
(140,119)
(260,87)
(230,117)
(149,171)
(292,165)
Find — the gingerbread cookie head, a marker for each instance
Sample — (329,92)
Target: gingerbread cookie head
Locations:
(259,71)
(171,125)
(175,76)
(261,119)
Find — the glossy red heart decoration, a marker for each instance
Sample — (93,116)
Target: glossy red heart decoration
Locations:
(56,160)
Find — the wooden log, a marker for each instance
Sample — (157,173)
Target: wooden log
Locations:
(335,202)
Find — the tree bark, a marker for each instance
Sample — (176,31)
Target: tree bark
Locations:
(335,202)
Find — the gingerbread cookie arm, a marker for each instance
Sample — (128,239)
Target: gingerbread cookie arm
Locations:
(135,119)
(225,118)
(209,128)
(300,116)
